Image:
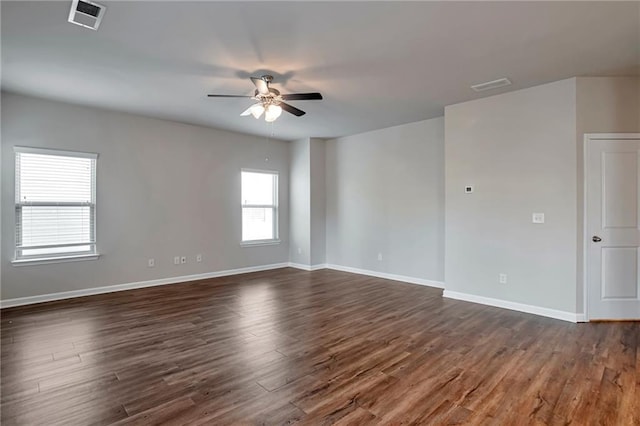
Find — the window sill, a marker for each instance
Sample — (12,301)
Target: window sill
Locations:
(61,259)
(259,243)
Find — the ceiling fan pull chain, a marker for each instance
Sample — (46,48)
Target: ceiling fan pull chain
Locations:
(269,136)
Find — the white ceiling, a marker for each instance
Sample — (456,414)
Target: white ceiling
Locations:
(378,64)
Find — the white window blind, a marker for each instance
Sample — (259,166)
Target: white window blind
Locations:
(55,203)
(259,206)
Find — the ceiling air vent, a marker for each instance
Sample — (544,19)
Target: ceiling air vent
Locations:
(86,14)
(491,85)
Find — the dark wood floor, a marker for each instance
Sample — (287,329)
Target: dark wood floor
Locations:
(322,347)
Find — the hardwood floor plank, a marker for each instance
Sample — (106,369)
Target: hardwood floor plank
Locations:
(325,347)
(161,414)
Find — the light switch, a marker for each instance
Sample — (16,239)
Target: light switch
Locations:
(538,218)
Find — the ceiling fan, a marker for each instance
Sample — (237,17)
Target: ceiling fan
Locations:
(270,101)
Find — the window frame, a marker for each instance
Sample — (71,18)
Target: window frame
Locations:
(275,207)
(19,258)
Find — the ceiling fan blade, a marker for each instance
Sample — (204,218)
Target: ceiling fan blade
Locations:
(261,85)
(292,110)
(302,96)
(229,96)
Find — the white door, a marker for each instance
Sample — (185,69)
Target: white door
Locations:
(613,226)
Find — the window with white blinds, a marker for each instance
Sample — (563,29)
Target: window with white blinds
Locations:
(55,203)
(259,206)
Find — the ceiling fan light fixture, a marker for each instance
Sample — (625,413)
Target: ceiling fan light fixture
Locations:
(256,110)
(272,113)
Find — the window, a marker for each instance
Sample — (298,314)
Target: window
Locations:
(55,204)
(259,206)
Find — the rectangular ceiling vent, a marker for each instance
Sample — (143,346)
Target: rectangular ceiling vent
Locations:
(491,85)
(86,13)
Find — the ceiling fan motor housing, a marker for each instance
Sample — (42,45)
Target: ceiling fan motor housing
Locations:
(272,91)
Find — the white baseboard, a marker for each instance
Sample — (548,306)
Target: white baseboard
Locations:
(130,286)
(307,267)
(515,306)
(394,277)
(8,303)
(546,312)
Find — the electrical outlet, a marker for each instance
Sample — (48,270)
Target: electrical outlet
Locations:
(537,218)
(379,256)
(299,250)
(183,259)
(198,258)
(151,263)
(176,260)
(502,278)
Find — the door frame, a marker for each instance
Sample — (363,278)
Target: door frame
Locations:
(588,137)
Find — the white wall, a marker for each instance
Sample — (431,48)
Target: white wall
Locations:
(318,201)
(385,195)
(518,150)
(299,203)
(163,189)
(307,205)
(603,105)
